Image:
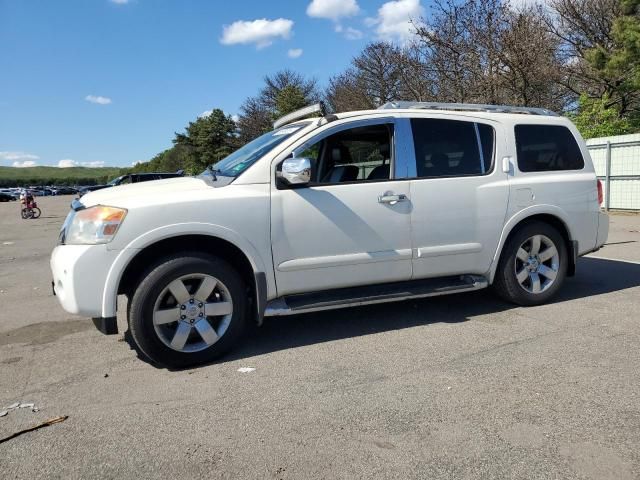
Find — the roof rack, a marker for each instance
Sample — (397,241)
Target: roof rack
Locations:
(301,113)
(468,107)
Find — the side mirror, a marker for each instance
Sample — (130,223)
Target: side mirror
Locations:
(296,171)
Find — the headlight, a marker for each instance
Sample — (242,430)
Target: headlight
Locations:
(94,225)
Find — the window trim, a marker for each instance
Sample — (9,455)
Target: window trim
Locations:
(475,122)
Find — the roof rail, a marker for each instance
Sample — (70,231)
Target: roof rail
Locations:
(301,113)
(468,107)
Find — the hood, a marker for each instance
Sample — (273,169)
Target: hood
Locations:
(122,195)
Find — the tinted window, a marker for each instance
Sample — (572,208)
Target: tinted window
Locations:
(354,154)
(451,148)
(543,148)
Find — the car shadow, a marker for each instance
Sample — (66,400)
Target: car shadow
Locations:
(594,277)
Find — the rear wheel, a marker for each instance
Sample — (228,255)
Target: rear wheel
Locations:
(189,309)
(533,265)
(35,212)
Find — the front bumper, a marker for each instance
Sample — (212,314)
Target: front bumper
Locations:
(79,277)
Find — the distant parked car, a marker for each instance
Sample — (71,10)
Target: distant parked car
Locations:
(132,178)
(65,191)
(7,197)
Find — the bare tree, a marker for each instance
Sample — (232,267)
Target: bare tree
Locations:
(484,51)
(372,79)
(586,29)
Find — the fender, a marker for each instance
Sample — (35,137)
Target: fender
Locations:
(110,292)
(519,216)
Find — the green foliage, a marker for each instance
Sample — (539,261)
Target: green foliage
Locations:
(17,177)
(618,64)
(206,141)
(595,119)
(289,99)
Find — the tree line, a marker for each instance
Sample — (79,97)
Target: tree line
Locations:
(577,57)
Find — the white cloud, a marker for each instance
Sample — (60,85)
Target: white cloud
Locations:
(352,33)
(98,99)
(333,9)
(68,163)
(235,117)
(261,32)
(294,52)
(205,114)
(13,156)
(394,18)
(120,2)
(26,163)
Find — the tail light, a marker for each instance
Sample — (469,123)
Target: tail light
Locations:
(600,194)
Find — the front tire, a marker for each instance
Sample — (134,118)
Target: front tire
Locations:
(189,308)
(35,212)
(533,265)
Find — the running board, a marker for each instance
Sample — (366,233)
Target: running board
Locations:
(370,294)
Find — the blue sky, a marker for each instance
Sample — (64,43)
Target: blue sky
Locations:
(108,82)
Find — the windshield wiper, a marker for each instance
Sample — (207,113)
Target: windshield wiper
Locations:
(213,172)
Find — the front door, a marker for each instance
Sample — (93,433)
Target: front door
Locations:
(351,225)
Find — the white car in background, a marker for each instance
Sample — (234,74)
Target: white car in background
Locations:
(410,200)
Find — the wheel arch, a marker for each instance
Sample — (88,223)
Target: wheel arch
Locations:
(552,216)
(132,261)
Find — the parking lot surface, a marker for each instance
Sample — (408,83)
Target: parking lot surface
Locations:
(463,386)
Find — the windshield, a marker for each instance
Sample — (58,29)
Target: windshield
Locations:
(244,157)
(115,181)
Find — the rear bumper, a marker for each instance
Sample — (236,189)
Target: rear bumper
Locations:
(603,229)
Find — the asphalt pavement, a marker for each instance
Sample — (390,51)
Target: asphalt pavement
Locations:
(455,387)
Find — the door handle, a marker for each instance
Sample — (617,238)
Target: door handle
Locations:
(391,198)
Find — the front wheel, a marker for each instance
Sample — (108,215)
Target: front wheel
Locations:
(35,212)
(533,265)
(25,213)
(189,309)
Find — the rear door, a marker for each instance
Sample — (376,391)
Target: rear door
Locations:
(459,195)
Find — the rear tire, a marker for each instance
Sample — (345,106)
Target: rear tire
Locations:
(190,308)
(35,212)
(533,265)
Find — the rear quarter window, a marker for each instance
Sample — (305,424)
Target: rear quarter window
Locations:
(544,148)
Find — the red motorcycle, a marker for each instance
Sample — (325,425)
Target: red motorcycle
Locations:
(30,208)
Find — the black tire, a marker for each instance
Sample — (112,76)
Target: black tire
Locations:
(505,283)
(156,279)
(25,214)
(35,212)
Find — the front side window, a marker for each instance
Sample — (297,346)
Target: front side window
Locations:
(446,148)
(543,148)
(352,155)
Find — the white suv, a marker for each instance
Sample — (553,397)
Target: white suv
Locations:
(410,200)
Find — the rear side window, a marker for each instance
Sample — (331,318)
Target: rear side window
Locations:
(544,148)
(446,148)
